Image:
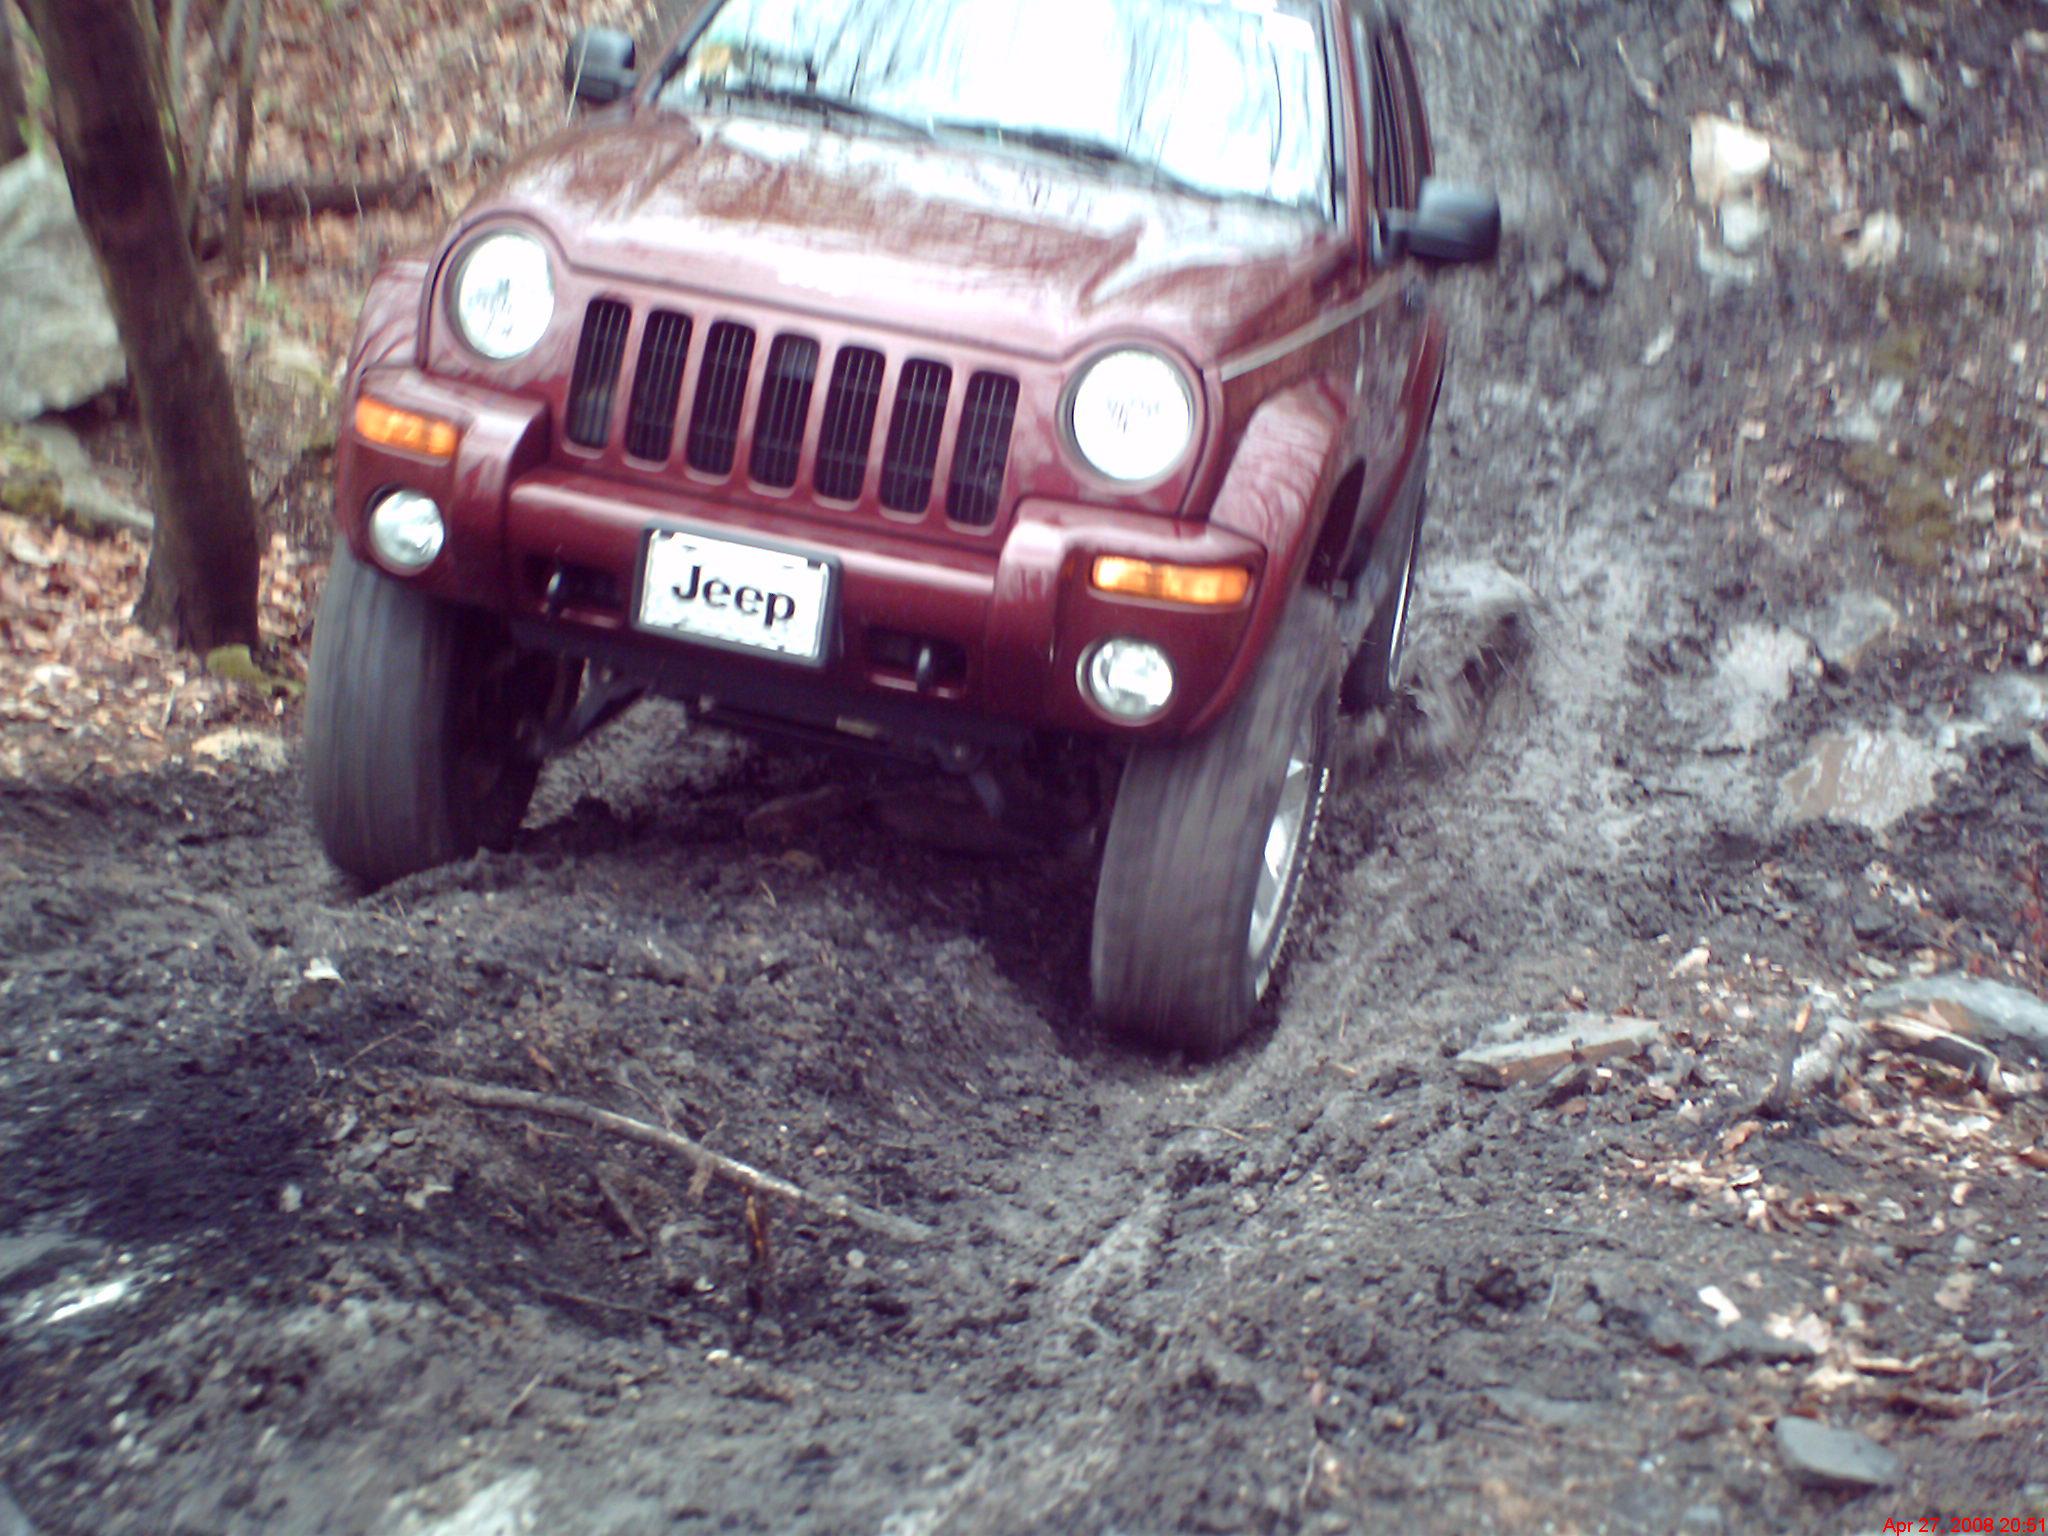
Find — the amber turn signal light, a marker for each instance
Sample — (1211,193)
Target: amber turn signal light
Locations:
(1199,586)
(428,436)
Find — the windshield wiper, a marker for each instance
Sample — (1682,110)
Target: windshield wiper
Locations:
(823,103)
(1076,146)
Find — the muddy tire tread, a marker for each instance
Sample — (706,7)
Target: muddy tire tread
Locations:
(1172,913)
(378,778)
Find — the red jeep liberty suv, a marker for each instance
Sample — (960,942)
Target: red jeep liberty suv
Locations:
(1037,387)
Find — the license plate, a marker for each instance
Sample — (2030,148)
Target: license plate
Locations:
(742,596)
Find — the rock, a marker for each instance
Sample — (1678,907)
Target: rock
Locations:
(33,1258)
(45,475)
(788,815)
(1722,268)
(1693,490)
(1843,632)
(651,960)
(1743,226)
(297,365)
(1951,1050)
(1727,159)
(1867,778)
(2010,703)
(1877,243)
(90,504)
(1753,675)
(58,444)
(12,1521)
(1546,278)
(315,986)
(58,345)
(1917,88)
(505,1508)
(1824,1457)
(29,487)
(1970,1005)
(1543,1412)
(237,744)
(1583,260)
(1590,1037)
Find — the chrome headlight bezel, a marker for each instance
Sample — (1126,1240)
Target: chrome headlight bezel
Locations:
(1120,455)
(519,258)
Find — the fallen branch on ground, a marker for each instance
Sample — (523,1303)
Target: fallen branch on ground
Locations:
(286,199)
(1840,1047)
(1813,1062)
(489,1096)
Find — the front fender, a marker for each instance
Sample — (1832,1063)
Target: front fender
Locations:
(1276,492)
(388,329)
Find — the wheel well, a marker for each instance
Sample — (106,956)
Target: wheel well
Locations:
(1338,524)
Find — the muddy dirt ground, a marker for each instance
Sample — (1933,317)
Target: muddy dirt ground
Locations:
(257,1277)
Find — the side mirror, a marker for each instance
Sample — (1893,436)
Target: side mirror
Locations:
(1448,223)
(599,69)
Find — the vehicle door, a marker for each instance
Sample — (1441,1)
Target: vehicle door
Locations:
(1397,157)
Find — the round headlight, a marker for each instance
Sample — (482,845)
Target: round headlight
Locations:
(406,530)
(1131,679)
(504,295)
(1133,415)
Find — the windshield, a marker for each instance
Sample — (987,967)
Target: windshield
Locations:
(1223,97)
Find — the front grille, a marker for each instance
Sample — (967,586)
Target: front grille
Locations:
(657,384)
(912,451)
(717,433)
(975,492)
(849,423)
(785,406)
(721,390)
(596,378)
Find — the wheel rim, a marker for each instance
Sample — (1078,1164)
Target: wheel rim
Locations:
(1282,849)
(1397,636)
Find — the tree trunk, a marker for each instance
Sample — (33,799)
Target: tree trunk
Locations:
(245,128)
(201,586)
(13,99)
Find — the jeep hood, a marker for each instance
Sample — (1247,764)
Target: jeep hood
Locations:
(965,241)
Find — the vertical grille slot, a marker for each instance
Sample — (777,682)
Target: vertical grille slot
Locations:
(721,391)
(596,379)
(850,405)
(911,452)
(657,383)
(974,494)
(785,406)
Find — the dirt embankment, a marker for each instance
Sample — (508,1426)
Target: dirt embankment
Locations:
(1697,511)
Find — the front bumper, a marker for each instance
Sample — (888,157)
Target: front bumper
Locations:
(558,554)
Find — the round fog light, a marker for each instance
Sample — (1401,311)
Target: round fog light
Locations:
(1131,679)
(406,530)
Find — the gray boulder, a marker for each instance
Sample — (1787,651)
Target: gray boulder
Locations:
(58,345)
(1992,1009)
(1821,1456)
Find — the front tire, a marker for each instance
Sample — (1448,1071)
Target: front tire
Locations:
(419,747)
(1202,867)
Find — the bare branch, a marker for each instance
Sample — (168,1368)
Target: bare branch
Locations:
(490,1096)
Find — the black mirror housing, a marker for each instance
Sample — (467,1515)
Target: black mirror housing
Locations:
(599,69)
(1449,223)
